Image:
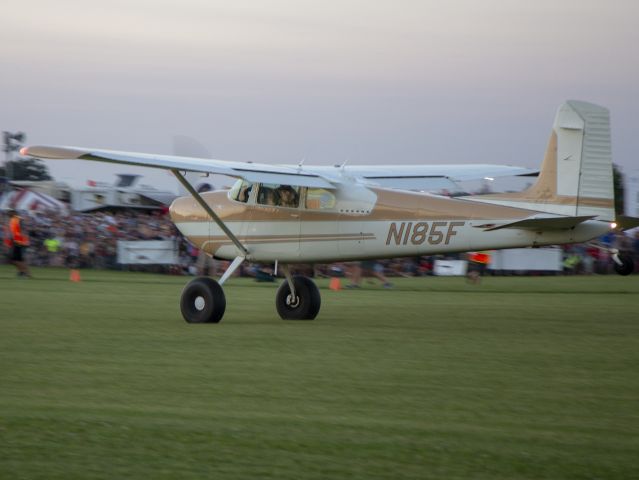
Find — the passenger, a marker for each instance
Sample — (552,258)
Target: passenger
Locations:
(288,196)
(269,197)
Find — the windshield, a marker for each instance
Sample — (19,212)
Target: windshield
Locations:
(241,191)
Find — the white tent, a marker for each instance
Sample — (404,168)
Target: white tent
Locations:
(24,199)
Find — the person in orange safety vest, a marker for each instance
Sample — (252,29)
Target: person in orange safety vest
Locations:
(477,263)
(17,243)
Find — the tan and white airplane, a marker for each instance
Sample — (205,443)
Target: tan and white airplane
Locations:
(301,214)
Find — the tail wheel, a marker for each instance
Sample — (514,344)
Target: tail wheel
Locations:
(306,303)
(627,265)
(203,301)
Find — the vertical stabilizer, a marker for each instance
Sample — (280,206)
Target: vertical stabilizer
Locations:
(576,174)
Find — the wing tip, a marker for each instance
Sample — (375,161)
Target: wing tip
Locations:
(56,153)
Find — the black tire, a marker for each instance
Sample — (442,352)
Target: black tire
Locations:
(203,301)
(309,300)
(627,267)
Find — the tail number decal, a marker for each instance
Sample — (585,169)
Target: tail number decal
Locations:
(403,233)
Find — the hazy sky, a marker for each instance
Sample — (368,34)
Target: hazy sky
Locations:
(276,81)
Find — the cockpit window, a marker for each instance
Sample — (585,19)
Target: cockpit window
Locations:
(241,191)
(319,199)
(277,195)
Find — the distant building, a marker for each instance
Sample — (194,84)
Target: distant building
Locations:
(126,192)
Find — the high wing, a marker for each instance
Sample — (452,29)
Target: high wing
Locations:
(416,177)
(253,172)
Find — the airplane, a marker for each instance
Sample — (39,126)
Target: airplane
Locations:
(317,214)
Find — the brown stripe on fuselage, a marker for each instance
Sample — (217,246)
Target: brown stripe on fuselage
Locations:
(212,243)
(289,238)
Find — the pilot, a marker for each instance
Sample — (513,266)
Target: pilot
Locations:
(288,196)
(245,192)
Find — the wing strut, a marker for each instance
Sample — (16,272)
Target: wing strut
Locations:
(210,211)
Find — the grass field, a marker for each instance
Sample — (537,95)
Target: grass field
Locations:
(517,378)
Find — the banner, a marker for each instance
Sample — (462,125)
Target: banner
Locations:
(547,259)
(148,252)
(450,267)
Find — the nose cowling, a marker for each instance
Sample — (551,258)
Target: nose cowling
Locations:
(185,209)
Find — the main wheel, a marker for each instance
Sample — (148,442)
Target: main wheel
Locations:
(305,305)
(627,265)
(203,301)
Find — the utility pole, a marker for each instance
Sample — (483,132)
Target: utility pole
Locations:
(12,143)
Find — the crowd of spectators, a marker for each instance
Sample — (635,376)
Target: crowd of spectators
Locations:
(89,240)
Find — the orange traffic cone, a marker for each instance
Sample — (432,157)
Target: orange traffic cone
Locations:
(75,275)
(335,284)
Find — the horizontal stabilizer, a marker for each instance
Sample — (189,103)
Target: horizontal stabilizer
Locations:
(625,222)
(544,223)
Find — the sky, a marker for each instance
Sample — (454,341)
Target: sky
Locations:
(383,82)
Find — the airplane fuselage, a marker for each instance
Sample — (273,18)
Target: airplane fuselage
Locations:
(396,224)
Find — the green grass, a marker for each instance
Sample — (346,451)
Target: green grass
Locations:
(517,378)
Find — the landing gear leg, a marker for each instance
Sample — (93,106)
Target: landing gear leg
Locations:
(298,298)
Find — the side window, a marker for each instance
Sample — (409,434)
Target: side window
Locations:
(241,191)
(277,195)
(319,199)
